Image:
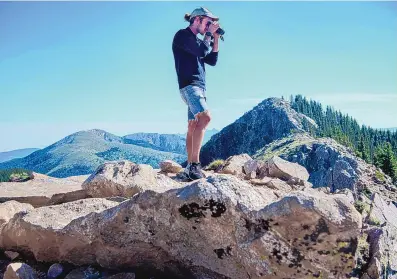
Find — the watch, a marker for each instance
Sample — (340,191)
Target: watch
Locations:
(208,33)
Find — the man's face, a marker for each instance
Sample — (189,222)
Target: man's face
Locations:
(203,26)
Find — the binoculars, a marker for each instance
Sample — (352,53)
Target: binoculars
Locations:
(220,31)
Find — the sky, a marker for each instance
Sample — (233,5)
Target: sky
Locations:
(72,66)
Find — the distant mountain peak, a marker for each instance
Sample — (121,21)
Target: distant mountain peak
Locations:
(271,119)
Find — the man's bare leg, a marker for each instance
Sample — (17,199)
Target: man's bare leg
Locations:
(203,119)
(189,139)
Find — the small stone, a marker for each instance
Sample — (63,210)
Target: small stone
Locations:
(55,270)
(19,271)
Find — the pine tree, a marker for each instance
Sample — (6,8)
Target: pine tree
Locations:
(386,160)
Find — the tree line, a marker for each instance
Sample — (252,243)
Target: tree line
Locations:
(375,146)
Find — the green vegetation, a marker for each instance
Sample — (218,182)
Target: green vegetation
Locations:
(367,192)
(374,221)
(16,174)
(215,164)
(378,147)
(361,206)
(380,176)
(386,160)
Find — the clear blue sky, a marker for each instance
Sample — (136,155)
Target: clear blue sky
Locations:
(70,66)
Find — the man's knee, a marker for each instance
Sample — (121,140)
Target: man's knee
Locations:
(203,119)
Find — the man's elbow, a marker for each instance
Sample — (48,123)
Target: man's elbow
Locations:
(212,63)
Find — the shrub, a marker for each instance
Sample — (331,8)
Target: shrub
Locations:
(361,206)
(374,221)
(16,175)
(215,164)
(367,192)
(380,176)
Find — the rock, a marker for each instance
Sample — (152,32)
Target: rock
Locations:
(382,212)
(278,184)
(55,270)
(329,164)
(382,239)
(10,208)
(346,192)
(40,227)
(11,255)
(19,271)
(124,178)
(263,170)
(42,190)
(250,176)
(250,168)
(296,181)
(262,181)
(170,166)
(285,170)
(217,227)
(234,164)
(383,247)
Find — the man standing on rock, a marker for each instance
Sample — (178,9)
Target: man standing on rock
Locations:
(190,54)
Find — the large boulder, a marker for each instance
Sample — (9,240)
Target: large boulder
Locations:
(42,190)
(286,170)
(125,178)
(217,227)
(10,208)
(235,164)
(270,120)
(383,239)
(382,212)
(20,231)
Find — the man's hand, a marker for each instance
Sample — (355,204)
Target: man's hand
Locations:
(213,27)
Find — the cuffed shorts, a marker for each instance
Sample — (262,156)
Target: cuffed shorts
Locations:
(195,99)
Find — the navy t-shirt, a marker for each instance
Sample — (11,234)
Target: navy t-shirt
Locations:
(190,54)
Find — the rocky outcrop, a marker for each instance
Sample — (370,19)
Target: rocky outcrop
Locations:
(42,190)
(125,179)
(219,227)
(270,120)
(331,165)
(382,237)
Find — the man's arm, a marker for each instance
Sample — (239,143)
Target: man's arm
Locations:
(190,45)
(212,58)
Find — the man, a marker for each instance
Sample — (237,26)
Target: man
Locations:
(191,54)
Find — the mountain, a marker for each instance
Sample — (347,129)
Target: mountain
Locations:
(82,152)
(270,120)
(14,154)
(162,142)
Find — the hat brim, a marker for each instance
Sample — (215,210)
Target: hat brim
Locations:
(213,17)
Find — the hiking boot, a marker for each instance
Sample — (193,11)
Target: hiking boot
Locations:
(186,170)
(196,172)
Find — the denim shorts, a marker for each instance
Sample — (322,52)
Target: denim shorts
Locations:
(195,99)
